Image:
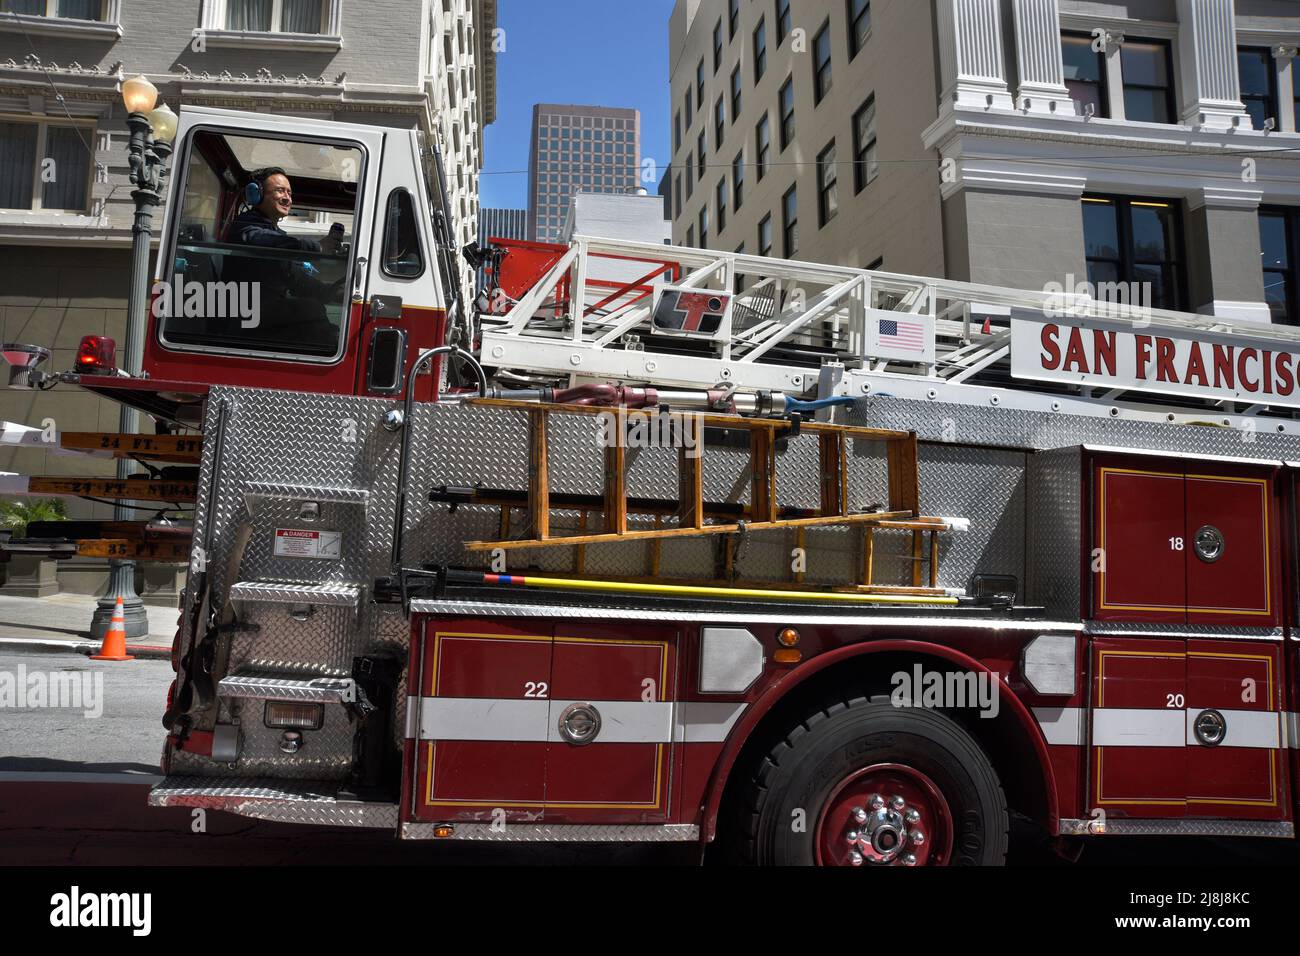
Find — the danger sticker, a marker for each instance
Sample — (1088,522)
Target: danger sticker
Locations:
(321,545)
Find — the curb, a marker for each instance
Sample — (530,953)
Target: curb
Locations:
(145,652)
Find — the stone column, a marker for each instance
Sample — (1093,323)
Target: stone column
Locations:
(1207,47)
(1038,59)
(1284,66)
(971,55)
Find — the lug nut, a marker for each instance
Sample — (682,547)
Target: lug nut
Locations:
(855,858)
(853,836)
(917,837)
(897,803)
(859,814)
(913,816)
(909,859)
(876,802)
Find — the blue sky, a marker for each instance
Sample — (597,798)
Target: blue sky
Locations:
(588,52)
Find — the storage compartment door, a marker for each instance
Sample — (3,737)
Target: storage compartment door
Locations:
(1139,552)
(1232,550)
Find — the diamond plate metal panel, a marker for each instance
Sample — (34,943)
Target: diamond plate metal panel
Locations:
(1184,630)
(1056,535)
(1235,828)
(314,594)
(311,802)
(323,645)
(318,691)
(326,754)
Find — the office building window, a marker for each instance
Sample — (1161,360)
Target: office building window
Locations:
(701,157)
(44,166)
(790,223)
(763,146)
(62,9)
(677,193)
(719,122)
(1259,85)
(859,25)
(828,197)
(1085,74)
(1277,242)
(722,203)
(739,285)
(704,226)
(717,46)
(1148,81)
(782,21)
(689,115)
(690,176)
(699,84)
(738,180)
(690,235)
(765,236)
(1295,91)
(760,51)
(733,18)
(865,166)
(736,98)
(275,16)
(822,63)
(785,102)
(677,131)
(1138,244)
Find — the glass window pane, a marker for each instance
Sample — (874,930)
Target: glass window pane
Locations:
(17,164)
(1275,295)
(1081,61)
(35,8)
(1152,234)
(1100,230)
(1160,283)
(68,173)
(1272,242)
(1099,272)
(1145,64)
(1146,106)
(248,15)
(402,256)
(1255,68)
(79,9)
(1085,94)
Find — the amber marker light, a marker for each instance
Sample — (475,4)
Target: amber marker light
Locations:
(784,656)
(788,638)
(443,830)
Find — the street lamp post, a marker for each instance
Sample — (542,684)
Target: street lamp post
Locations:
(150,146)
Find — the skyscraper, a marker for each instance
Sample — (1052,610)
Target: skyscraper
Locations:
(578,149)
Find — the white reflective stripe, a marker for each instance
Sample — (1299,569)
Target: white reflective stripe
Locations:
(699,723)
(621,721)
(466,718)
(522,721)
(1061,725)
(13,484)
(1246,728)
(1123,727)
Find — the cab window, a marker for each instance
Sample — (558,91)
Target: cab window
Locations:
(260,260)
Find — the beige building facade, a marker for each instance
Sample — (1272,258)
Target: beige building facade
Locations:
(1007,142)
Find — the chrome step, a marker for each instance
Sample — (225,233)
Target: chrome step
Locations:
(320,595)
(283,801)
(325,494)
(319,690)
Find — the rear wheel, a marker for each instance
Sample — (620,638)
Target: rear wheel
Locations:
(863,783)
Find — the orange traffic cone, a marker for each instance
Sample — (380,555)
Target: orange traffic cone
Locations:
(114,646)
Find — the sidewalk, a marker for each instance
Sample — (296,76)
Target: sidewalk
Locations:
(62,622)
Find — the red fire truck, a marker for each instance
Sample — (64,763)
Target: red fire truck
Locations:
(663,544)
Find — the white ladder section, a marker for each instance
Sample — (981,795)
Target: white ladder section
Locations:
(797,327)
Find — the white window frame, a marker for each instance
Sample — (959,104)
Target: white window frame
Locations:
(1137,30)
(1284,47)
(213,27)
(42,128)
(107,27)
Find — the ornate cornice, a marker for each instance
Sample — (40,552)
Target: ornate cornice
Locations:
(264,76)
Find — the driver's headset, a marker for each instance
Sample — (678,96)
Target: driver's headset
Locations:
(255,191)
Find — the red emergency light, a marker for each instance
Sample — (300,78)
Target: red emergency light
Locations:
(97,355)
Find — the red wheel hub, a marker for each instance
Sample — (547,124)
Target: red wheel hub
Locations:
(885,815)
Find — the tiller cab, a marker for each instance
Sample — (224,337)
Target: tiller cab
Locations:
(818,564)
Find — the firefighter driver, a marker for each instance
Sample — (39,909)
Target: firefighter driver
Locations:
(292,300)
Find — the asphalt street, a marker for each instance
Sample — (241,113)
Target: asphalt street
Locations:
(73,790)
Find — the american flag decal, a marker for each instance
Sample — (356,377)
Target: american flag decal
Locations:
(906,336)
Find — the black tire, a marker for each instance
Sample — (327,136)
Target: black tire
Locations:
(801,771)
